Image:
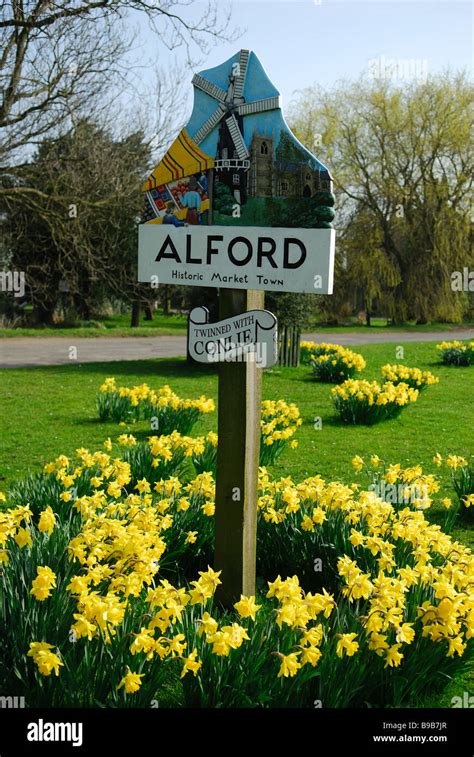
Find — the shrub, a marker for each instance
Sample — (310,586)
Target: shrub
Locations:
(364,402)
(163,407)
(456,353)
(413,377)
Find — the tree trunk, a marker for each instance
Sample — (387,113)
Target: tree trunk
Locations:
(82,298)
(166,300)
(83,309)
(148,311)
(135,314)
(43,314)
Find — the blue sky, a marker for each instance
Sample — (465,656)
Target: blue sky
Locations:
(301,42)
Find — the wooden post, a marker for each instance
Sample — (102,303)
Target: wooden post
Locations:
(239,410)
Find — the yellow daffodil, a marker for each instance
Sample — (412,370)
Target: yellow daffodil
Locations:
(131,682)
(46,660)
(191,664)
(246,607)
(207,625)
(347,644)
(23,538)
(289,665)
(357,463)
(47,521)
(393,657)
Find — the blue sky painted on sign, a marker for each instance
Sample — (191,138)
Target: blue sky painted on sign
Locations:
(257,87)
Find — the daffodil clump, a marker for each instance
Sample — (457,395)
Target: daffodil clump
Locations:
(456,353)
(279,422)
(118,466)
(311,350)
(337,366)
(367,402)
(414,377)
(159,457)
(205,457)
(306,352)
(135,469)
(166,410)
(402,584)
(401,487)
(331,362)
(461,471)
(108,597)
(95,572)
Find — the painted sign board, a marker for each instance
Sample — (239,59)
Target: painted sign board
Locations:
(272,259)
(248,336)
(237,166)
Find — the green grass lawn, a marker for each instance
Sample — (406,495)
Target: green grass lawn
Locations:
(116,325)
(51,410)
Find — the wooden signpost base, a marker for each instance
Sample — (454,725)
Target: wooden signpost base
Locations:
(239,410)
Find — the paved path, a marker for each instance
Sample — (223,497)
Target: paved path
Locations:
(27,352)
(380,336)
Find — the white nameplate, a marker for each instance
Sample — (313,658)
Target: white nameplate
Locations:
(247,336)
(237,257)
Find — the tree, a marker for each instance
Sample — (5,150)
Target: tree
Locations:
(224,201)
(400,159)
(79,231)
(293,312)
(59,58)
(368,271)
(64,65)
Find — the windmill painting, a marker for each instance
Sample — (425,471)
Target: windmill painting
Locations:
(238,146)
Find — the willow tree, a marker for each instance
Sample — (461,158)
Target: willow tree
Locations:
(400,157)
